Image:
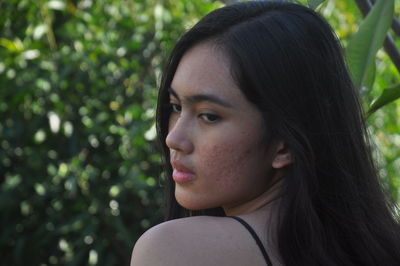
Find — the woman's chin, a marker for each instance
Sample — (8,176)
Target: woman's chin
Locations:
(194,205)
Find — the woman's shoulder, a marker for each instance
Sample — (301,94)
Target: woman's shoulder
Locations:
(184,227)
(181,225)
(199,240)
(175,242)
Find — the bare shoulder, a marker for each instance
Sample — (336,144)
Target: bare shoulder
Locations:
(200,240)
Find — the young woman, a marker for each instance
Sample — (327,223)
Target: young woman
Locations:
(267,156)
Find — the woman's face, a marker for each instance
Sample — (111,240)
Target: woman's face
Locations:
(217,139)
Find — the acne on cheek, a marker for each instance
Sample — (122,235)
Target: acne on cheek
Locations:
(225,163)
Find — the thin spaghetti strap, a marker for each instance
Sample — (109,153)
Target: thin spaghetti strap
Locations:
(256,238)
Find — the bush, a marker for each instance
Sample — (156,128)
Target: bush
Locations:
(80,165)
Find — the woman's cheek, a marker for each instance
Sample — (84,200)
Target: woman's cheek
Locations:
(221,163)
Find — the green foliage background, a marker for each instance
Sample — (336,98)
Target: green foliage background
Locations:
(79,165)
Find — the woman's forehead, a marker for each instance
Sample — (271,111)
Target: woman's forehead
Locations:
(204,69)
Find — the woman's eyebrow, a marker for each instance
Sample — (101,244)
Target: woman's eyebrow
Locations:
(197,98)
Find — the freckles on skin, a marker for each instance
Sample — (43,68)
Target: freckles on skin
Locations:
(228,161)
(214,162)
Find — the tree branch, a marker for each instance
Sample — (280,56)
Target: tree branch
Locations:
(364,6)
(396,26)
(389,45)
(392,51)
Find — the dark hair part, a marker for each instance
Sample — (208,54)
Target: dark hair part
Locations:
(287,61)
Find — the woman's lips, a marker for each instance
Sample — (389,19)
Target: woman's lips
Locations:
(181,173)
(181,177)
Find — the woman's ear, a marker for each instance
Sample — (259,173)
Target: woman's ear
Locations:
(283,156)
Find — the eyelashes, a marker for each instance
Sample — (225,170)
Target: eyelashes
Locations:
(176,108)
(208,118)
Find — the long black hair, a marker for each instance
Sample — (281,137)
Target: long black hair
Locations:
(288,62)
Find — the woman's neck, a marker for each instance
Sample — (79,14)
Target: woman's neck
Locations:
(261,201)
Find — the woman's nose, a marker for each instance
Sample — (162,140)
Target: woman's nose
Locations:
(178,137)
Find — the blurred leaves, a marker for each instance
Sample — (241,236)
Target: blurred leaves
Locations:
(79,164)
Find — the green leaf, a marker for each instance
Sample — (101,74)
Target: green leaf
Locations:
(314,3)
(363,46)
(388,95)
(12,46)
(370,76)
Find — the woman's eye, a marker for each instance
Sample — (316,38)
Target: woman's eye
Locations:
(210,118)
(176,108)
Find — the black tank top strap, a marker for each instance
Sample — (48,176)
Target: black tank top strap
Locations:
(256,238)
